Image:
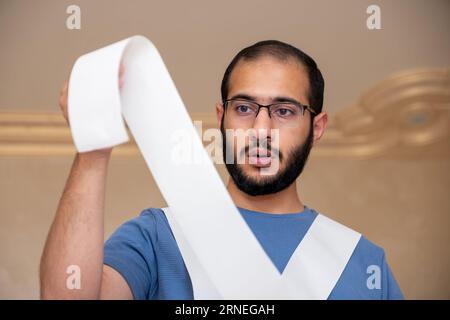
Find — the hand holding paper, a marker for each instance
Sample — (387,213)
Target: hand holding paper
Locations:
(223,257)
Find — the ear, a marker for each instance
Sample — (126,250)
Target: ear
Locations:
(219,113)
(320,123)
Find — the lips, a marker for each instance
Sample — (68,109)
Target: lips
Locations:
(259,152)
(259,157)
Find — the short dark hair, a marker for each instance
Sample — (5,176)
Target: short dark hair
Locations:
(283,52)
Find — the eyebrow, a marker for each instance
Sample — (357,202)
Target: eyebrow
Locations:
(275,99)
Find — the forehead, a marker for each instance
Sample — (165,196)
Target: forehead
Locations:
(268,77)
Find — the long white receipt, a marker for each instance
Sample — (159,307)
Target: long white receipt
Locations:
(230,256)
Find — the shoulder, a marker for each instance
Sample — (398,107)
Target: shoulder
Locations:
(148,226)
(365,247)
(368,252)
(150,218)
(366,275)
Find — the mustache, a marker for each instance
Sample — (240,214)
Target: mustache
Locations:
(259,144)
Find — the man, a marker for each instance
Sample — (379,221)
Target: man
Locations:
(275,90)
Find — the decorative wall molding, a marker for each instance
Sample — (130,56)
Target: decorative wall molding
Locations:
(47,134)
(406,115)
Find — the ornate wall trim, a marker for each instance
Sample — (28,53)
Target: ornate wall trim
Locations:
(406,115)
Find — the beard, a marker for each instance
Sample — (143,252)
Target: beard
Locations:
(263,185)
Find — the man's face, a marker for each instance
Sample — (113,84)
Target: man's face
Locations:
(265,80)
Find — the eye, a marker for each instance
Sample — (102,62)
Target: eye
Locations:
(285,111)
(243,108)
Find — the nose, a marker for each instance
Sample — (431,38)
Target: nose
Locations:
(263,119)
(263,124)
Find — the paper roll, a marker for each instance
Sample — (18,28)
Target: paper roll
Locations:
(218,238)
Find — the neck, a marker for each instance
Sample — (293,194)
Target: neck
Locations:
(285,201)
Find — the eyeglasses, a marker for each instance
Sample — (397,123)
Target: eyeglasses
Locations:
(281,112)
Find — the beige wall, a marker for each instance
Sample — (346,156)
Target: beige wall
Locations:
(198,38)
(382,167)
(402,206)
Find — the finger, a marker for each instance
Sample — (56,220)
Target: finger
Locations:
(64,89)
(121,82)
(65,86)
(121,69)
(63,96)
(121,74)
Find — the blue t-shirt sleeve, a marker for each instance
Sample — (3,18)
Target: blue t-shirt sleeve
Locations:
(130,252)
(391,289)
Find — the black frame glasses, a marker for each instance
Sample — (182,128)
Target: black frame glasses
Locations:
(302,107)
